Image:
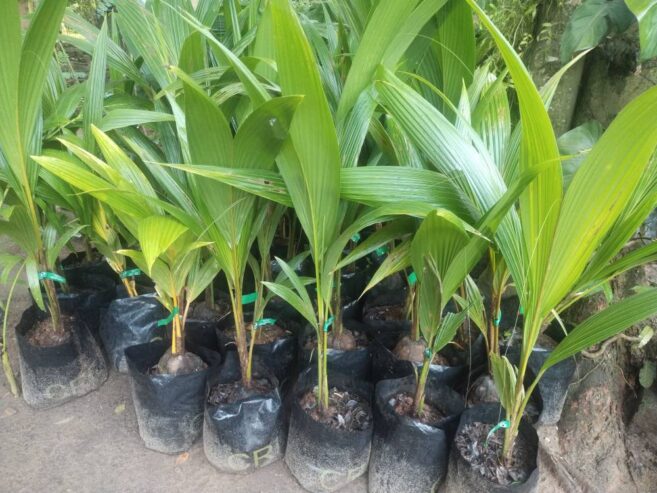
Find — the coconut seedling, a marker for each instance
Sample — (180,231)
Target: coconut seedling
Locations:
(437,243)
(23,80)
(232,215)
(172,257)
(170,253)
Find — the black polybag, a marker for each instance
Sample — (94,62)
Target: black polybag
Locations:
(385,334)
(322,458)
(51,376)
(462,477)
(552,388)
(246,435)
(385,366)
(76,264)
(355,363)
(129,322)
(169,408)
(408,455)
(279,356)
(88,297)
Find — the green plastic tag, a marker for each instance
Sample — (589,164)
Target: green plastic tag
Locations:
(381,251)
(356,238)
(264,321)
(130,273)
(427,353)
(521,310)
(498,319)
(504,424)
(51,276)
(247,299)
(169,319)
(328,324)
(412,278)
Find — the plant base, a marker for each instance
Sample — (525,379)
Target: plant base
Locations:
(51,376)
(169,408)
(248,433)
(320,457)
(460,474)
(407,455)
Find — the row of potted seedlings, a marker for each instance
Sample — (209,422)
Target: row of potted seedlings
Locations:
(378,372)
(382,386)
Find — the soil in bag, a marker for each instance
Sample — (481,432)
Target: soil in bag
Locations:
(326,451)
(410,453)
(169,407)
(55,368)
(130,322)
(475,460)
(243,429)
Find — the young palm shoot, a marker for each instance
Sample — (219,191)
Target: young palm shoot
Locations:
(172,258)
(436,245)
(230,213)
(266,226)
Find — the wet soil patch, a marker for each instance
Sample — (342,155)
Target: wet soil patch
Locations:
(227,393)
(346,411)
(486,458)
(403,404)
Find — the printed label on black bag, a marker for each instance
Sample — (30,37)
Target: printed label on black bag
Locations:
(328,478)
(257,458)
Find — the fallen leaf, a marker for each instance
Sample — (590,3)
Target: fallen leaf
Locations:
(64,421)
(119,409)
(182,458)
(10,411)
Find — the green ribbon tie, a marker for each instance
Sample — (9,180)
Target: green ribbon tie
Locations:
(130,273)
(504,424)
(169,319)
(264,321)
(356,238)
(247,299)
(521,310)
(427,353)
(51,276)
(412,278)
(498,319)
(328,324)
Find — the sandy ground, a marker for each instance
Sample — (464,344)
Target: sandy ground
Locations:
(92,445)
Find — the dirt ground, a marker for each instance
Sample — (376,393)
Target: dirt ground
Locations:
(92,444)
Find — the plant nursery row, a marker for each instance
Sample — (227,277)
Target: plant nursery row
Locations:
(334,234)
